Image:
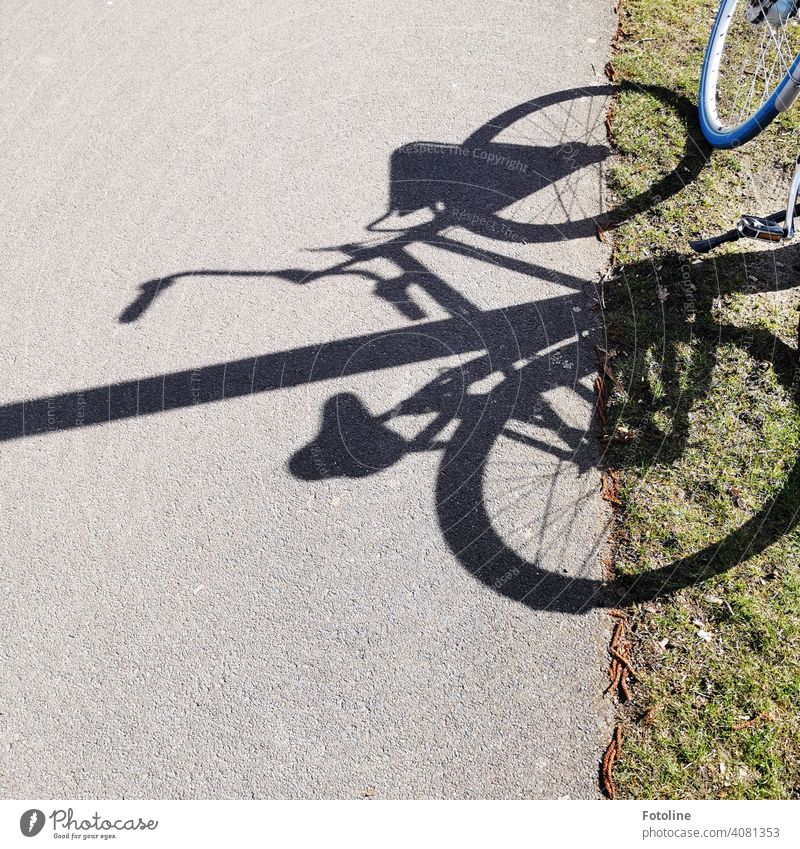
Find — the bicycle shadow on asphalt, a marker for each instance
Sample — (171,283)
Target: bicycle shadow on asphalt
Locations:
(507,358)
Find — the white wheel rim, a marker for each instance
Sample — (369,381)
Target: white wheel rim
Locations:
(771,65)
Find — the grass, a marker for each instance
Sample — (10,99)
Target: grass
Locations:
(710,489)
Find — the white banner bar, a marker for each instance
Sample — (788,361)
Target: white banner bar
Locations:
(372,823)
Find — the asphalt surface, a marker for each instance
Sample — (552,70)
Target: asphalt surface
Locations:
(281,519)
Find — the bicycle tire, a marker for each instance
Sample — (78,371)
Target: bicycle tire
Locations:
(774,100)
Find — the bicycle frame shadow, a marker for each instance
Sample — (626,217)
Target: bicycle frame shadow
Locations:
(507,345)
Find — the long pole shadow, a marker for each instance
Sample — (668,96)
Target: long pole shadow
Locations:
(271,371)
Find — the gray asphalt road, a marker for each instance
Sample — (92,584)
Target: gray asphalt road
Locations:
(301,504)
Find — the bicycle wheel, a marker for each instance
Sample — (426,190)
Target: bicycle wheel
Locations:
(751,70)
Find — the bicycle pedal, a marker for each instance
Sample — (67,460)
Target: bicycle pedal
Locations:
(755,227)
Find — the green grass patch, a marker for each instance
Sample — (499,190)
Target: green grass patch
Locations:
(706,360)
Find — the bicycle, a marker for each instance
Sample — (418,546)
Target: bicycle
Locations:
(750,75)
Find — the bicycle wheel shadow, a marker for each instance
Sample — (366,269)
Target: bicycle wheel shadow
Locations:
(352,442)
(467,185)
(509,359)
(693,324)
